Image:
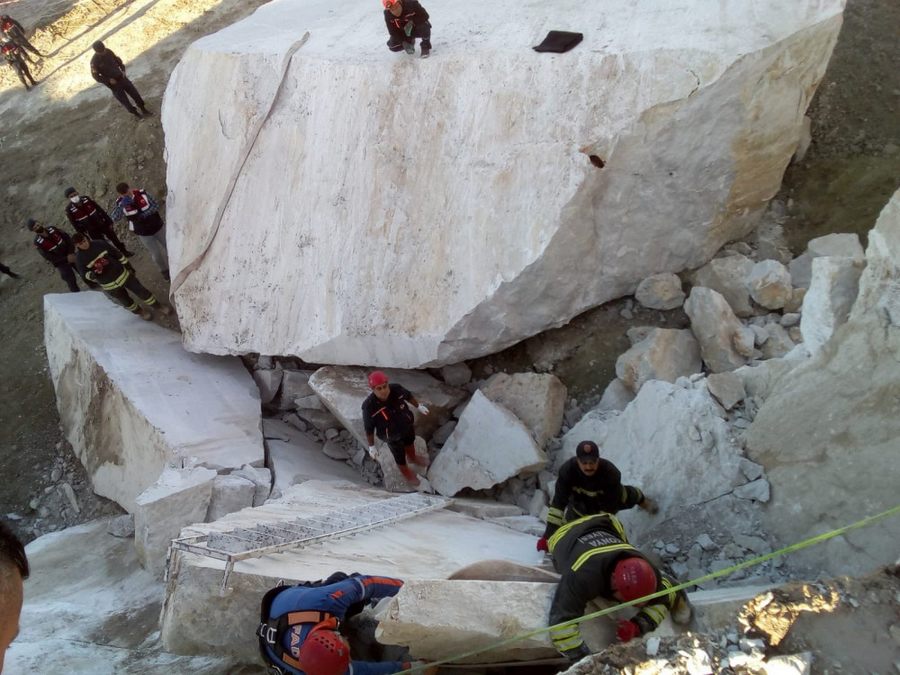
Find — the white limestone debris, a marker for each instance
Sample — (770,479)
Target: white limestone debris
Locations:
(725,343)
(769,283)
(728,276)
(660,291)
(488,446)
(538,400)
(835,245)
(662,119)
(726,388)
(826,305)
(665,354)
(132,401)
(229,493)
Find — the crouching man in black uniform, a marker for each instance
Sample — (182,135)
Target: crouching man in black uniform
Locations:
(596,562)
(407,20)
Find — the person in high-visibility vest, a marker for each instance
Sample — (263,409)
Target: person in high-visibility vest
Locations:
(595,561)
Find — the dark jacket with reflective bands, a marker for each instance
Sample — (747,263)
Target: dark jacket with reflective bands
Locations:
(390,419)
(585,551)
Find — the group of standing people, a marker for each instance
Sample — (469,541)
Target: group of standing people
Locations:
(17,49)
(95,251)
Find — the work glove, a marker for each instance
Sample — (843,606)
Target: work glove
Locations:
(542,545)
(648,505)
(371,451)
(422,409)
(408,28)
(627,630)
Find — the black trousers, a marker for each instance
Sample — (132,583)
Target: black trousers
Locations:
(108,233)
(122,90)
(67,272)
(137,289)
(423,31)
(398,446)
(19,39)
(22,71)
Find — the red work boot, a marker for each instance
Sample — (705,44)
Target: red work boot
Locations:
(412,457)
(409,475)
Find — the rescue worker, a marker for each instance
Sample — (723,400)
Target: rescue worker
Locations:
(55,246)
(97,263)
(586,485)
(13,55)
(108,69)
(386,413)
(142,213)
(595,561)
(407,20)
(89,218)
(301,635)
(12,30)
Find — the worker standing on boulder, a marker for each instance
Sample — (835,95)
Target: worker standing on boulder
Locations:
(108,69)
(586,485)
(386,413)
(96,263)
(55,246)
(407,20)
(299,625)
(596,562)
(89,218)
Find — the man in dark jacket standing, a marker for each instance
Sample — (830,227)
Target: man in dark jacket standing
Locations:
(586,485)
(14,32)
(386,413)
(407,20)
(142,213)
(55,246)
(595,561)
(86,216)
(108,69)
(12,53)
(98,264)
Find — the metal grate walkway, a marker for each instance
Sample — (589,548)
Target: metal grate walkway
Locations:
(264,539)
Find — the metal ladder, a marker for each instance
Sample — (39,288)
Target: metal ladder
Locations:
(267,538)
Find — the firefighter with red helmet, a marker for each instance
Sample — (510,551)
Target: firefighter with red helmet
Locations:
(596,562)
(407,20)
(299,629)
(386,412)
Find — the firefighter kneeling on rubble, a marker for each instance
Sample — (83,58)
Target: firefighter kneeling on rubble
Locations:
(298,631)
(596,562)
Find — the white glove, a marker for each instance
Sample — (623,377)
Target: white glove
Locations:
(371,451)
(422,409)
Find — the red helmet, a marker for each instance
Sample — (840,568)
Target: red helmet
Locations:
(377,378)
(633,578)
(389,3)
(323,652)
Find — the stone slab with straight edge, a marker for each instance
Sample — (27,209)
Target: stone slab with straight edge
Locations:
(131,400)
(450,223)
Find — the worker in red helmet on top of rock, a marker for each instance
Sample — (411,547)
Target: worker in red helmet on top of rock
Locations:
(386,412)
(596,562)
(407,20)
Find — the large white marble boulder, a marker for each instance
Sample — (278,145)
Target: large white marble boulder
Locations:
(343,389)
(725,343)
(488,446)
(132,400)
(315,211)
(826,305)
(537,399)
(665,354)
(828,432)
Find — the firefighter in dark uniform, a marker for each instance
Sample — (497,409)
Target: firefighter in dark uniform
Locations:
(13,55)
(386,413)
(97,262)
(407,20)
(14,32)
(596,562)
(108,69)
(55,246)
(586,485)
(89,218)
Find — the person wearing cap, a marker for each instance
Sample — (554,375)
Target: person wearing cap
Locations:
(300,634)
(588,484)
(108,69)
(87,217)
(55,246)
(596,562)
(407,20)
(386,413)
(107,268)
